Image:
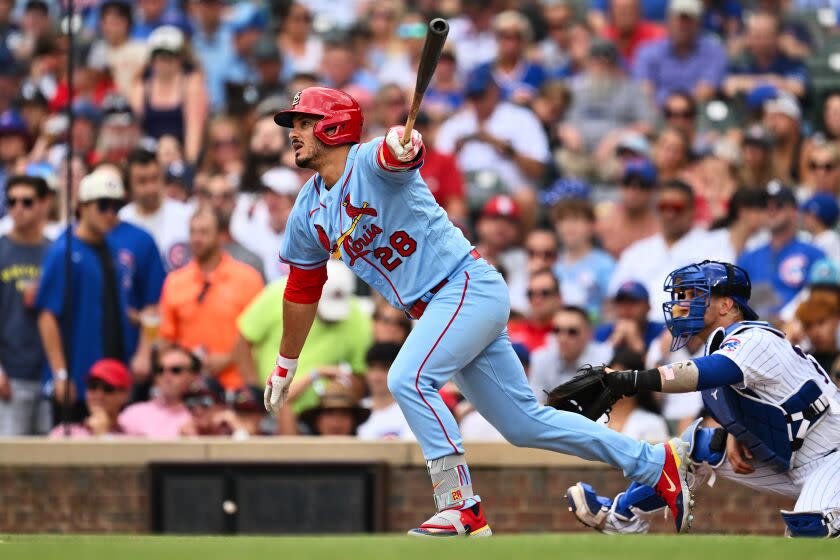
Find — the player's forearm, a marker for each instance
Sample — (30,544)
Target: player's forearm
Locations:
(297,321)
(51,339)
(685,376)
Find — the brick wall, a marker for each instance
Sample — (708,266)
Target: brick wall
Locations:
(116,499)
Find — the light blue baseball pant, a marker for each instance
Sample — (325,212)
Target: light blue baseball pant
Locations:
(463,335)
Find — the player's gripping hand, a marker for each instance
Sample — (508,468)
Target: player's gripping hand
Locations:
(404,153)
(277,384)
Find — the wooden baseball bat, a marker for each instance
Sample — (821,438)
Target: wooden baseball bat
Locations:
(435,38)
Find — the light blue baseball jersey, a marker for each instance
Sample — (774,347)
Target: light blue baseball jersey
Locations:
(384,225)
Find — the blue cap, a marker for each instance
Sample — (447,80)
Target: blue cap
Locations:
(758,95)
(633,291)
(84,109)
(824,272)
(564,189)
(479,80)
(641,170)
(824,207)
(180,172)
(12,123)
(248,17)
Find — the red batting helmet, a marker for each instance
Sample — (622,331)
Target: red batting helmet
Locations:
(337,110)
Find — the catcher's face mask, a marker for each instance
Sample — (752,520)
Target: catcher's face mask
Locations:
(690,296)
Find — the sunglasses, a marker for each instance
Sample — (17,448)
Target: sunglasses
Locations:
(541,293)
(99,385)
(204,401)
(817,166)
(174,370)
(226,195)
(671,114)
(571,331)
(558,25)
(675,207)
(546,254)
(225,143)
(26,202)
(509,36)
(105,205)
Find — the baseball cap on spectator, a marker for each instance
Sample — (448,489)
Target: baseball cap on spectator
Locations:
(479,81)
(631,291)
(45,171)
(760,95)
(112,372)
(780,195)
(266,49)
(205,393)
(757,135)
(336,397)
(282,181)
(12,124)
(100,184)
(247,17)
(639,172)
(604,50)
(334,304)
(632,144)
(116,110)
(248,399)
(84,109)
(181,173)
(824,273)
(786,105)
(693,8)
(166,39)
(501,206)
(824,207)
(564,189)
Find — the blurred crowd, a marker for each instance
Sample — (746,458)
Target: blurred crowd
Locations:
(586,148)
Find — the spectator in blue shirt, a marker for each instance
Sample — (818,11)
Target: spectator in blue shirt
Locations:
(212,44)
(631,328)
(99,320)
(686,60)
(518,78)
(780,269)
(247,26)
(152,14)
(763,64)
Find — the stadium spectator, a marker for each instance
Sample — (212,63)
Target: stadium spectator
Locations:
(14,144)
(340,68)
(268,65)
(108,386)
(201,301)
(340,336)
(23,411)
(399,66)
(163,416)
(210,416)
(671,154)
(390,324)
(583,269)
(266,149)
(337,414)
(680,111)
(246,23)
(553,50)
(119,131)
(780,268)
(445,94)
(116,52)
(629,30)
(219,195)
(225,149)
(740,229)
(178,181)
(98,313)
(631,329)
(302,50)
(247,405)
(636,416)
(472,34)
(534,329)
(159,99)
(633,218)
(819,218)
(166,219)
(686,60)
(783,119)
(386,420)
(820,318)
(571,348)
(651,259)
(212,44)
(151,15)
(543,248)
(823,170)
(441,172)
(757,167)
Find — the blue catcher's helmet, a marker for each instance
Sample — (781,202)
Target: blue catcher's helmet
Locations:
(704,279)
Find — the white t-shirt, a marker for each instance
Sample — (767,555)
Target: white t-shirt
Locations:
(475,427)
(388,423)
(249,225)
(547,369)
(170,227)
(829,242)
(643,425)
(509,122)
(515,264)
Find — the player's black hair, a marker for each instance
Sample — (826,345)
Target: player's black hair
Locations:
(577,310)
(37,183)
(682,186)
(382,354)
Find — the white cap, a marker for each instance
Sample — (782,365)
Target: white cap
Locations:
(281,180)
(785,104)
(693,8)
(335,298)
(101,184)
(166,38)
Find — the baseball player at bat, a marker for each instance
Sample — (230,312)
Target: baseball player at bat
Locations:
(368,206)
(779,410)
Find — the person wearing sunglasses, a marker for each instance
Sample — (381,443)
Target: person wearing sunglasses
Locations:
(571,347)
(534,330)
(108,386)
(819,218)
(175,369)
(22,411)
(633,218)
(100,322)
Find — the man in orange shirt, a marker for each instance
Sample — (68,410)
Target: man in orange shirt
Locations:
(201,301)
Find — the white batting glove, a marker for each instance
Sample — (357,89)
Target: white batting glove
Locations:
(277,384)
(407,152)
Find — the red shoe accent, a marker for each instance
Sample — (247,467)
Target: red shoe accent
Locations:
(471,519)
(673,486)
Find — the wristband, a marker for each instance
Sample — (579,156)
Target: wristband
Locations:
(286,364)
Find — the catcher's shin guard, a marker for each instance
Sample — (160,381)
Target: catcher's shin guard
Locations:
(587,506)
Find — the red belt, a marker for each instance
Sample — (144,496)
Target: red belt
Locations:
(416,311)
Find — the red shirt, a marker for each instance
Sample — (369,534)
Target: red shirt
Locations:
(645,32)
(441,173)
(532,335)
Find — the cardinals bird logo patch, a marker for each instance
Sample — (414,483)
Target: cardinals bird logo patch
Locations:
(346,244)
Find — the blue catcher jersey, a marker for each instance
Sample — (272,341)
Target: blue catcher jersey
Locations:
(384,225)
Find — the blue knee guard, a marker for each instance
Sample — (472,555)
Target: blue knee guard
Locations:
(806,524)
(706,445)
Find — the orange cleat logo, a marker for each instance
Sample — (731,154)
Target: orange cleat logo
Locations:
(456,495)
